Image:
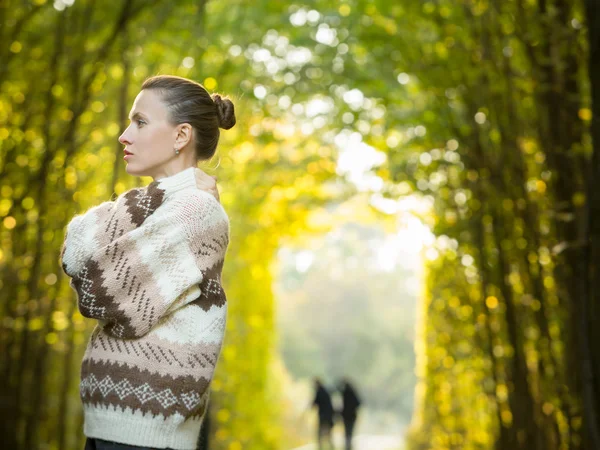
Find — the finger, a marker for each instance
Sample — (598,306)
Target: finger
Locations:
(207,180)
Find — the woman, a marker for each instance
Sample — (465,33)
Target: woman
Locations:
(148,267)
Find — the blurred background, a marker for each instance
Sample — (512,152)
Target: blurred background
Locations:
(411,188)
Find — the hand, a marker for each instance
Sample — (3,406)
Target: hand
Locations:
(207,183)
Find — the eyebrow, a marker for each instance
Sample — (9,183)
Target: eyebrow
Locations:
(136,115)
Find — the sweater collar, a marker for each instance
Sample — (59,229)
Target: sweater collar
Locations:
(186,179)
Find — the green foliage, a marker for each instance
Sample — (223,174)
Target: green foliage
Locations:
(481,107)
(68,79)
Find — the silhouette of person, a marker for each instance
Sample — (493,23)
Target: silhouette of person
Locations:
(325,408)
(350,405)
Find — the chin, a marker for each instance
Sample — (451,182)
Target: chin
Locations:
(131,170)
(145,171)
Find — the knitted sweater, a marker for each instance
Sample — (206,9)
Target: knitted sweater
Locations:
(148,267)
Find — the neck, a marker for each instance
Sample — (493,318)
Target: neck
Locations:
(177,164)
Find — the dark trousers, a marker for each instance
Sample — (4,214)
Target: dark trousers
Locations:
(349,430)
(100,444)
(324,434)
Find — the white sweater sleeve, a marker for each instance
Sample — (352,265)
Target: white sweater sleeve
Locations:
(134,281)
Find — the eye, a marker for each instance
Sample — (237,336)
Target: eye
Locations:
(141,122)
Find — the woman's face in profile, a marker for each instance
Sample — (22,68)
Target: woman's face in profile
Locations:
(149,139)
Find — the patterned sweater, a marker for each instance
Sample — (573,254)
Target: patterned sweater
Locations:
(148,267)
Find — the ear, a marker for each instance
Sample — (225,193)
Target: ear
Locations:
(183,135)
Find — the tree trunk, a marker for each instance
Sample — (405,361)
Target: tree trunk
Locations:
(590,303)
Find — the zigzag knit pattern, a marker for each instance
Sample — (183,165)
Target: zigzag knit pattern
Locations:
(148,267)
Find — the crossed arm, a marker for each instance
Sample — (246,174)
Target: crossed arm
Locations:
(129,274)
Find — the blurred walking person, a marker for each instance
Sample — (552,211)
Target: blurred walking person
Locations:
(325,409)
(350,405)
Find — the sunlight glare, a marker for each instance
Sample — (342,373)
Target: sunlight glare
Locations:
(304,260)
(356,159)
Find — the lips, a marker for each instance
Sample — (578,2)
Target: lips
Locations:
(127,153)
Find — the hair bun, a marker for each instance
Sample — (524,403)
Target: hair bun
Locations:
(225,111)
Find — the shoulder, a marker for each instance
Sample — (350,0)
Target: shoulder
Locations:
(194,206)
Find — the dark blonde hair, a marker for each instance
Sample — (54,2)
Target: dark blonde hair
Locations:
(189,102)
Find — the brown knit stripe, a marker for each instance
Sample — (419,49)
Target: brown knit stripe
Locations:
(212,295)
(104,383)
(212,292)
(94,300)
(143,202)
(158,356)
(209,252)
(133,297)
(124,290)
(129,212)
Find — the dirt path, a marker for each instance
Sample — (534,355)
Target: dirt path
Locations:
(365,442)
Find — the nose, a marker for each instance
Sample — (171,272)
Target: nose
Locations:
(124,138)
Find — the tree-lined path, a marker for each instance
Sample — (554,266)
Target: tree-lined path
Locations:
(477,120)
